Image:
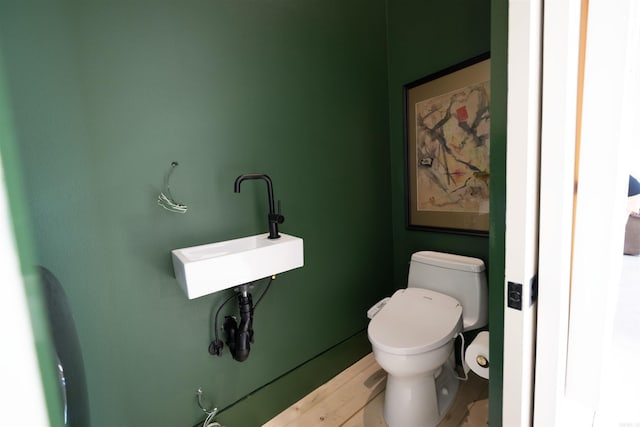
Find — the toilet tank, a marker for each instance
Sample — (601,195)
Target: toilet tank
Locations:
(460,277)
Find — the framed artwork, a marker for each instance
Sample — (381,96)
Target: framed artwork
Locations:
(446,120)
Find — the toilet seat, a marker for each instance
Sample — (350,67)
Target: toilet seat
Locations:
(415,321)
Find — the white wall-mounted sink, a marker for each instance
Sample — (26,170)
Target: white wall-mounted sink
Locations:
(204,269)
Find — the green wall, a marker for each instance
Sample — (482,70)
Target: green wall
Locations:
(12,180)
(106,94)
(499,37)
(423,38)
(426,37)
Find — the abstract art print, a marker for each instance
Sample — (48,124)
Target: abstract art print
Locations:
(447,135)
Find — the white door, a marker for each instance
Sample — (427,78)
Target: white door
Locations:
(589,116)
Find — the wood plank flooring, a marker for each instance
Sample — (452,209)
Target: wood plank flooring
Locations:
(354,398)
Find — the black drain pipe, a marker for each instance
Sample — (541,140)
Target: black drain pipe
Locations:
(240,337)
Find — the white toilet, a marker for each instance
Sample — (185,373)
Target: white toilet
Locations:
(412,335)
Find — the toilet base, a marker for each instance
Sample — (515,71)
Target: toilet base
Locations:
(419,401)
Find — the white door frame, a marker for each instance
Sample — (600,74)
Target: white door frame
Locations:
(521,239)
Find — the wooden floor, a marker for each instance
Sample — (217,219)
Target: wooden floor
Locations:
(355,397)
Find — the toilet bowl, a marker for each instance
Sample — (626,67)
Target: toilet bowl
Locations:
(412,335)
(412,340)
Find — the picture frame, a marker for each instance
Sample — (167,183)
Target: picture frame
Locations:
(447,146)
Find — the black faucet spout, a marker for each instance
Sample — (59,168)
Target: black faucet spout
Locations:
(273,218)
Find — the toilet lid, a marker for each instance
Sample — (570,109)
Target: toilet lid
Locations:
(415,321)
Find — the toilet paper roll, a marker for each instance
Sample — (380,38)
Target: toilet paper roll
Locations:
(477,355)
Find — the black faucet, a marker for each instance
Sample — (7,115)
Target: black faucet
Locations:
(274,218)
